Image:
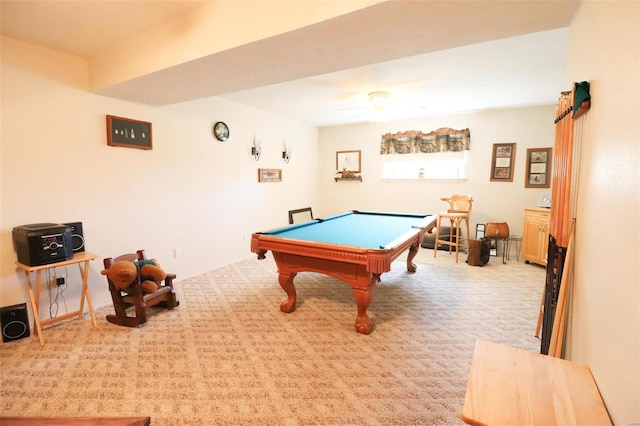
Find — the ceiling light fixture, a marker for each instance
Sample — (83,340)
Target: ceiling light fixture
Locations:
(379,100)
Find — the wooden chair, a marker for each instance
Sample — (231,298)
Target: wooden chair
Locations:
(459,210)
(133,296)
(300,215)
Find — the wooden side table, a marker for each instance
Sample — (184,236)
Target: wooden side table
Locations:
(75,421)
(510,386)
(82,259)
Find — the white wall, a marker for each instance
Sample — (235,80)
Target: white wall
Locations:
(493,201)
(190,191)
(604,332)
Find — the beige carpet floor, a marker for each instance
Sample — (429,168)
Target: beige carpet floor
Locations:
(228,356)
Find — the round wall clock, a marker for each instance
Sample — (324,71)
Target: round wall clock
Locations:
(221,131)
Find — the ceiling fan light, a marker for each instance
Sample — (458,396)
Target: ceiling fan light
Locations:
(379,100)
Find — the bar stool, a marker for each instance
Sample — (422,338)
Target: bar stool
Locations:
(459,210)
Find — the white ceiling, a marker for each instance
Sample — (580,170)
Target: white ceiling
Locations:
(434,57)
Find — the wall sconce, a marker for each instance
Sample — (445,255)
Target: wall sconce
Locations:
(286,152)
(256,149)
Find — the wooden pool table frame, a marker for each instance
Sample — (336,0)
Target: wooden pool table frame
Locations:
(359,267)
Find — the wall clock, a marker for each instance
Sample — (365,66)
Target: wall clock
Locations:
(221,131)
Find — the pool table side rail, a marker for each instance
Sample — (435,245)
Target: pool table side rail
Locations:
(377,261)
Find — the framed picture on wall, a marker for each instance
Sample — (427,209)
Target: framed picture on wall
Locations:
(348,161)
(269,175)
(538,168)
(128,133)
(502,162)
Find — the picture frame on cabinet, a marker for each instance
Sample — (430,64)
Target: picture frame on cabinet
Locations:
(538,168)
(502,162)
(128,133)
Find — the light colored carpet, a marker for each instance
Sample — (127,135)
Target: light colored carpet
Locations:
(228,356)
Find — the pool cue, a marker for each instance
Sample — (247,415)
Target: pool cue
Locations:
(557,335)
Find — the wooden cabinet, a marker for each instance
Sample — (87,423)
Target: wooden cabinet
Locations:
(535,235)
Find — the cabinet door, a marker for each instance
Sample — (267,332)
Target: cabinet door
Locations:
(535,236)
(531,239)
(544,240)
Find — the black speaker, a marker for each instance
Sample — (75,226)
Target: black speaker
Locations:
(15,322)
(77,237)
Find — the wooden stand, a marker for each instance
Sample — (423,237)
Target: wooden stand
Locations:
(82,259)
(75,421)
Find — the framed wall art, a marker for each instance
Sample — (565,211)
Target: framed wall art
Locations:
(348,161)
(538,168)
(503,162)
(269,175)
(128,133)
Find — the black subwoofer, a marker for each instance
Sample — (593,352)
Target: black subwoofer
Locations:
(15,322)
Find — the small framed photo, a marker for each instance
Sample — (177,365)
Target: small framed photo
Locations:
(348,161)
(502,162)
(269,175)
(538,168)
(128,133)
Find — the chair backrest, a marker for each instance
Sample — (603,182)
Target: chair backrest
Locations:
(139,255)
(459,204)
(300,215)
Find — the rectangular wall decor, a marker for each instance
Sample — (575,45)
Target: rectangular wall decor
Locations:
(128,133)
(269,175)
(348,161)
(503,162)
(538,168)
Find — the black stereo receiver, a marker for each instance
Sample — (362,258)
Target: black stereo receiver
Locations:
(42,243)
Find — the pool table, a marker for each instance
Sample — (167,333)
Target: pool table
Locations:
(355,247)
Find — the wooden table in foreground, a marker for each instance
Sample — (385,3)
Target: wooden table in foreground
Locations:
(75,421)
(510,386)
(354,247)
(82,259)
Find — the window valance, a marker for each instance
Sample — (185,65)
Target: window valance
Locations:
(416,142)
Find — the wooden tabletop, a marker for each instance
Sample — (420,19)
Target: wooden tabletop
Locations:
(77,258)
(510,386)
(75,421)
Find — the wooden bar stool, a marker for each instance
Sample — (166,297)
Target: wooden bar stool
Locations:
(459,210)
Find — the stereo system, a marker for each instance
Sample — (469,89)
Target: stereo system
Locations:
(15,322)
(77,237)
(42,243)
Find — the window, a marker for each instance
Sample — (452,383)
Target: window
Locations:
(442,154)
(432,166)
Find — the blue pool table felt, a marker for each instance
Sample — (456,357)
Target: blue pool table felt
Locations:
(364,230)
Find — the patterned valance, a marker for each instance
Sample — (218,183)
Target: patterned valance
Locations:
(416,142)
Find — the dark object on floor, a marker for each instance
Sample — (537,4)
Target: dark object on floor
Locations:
(15,322)
(134,296)
(479,251)
(429,240)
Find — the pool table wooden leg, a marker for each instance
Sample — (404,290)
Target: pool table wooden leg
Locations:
(286,282)
(364,324)
(413,251)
